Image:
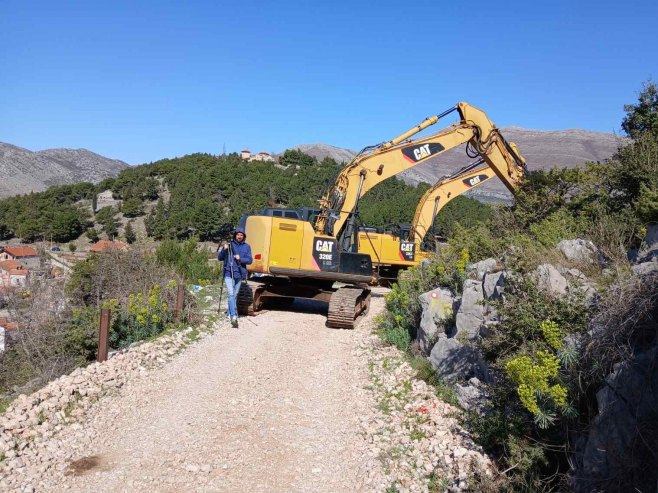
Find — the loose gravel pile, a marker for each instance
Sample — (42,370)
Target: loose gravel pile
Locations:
(414,435)
(281,404)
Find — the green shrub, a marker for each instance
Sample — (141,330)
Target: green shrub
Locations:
(556,227)
(187,260)
(141,317)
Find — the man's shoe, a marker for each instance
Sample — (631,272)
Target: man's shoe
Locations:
(234,323)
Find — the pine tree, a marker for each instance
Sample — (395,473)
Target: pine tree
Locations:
(129,233)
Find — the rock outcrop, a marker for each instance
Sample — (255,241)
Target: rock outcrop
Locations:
(626,425)
(578,250)
(438,311)
(550,279)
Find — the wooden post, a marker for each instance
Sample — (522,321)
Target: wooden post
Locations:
(104,335)
(179,303)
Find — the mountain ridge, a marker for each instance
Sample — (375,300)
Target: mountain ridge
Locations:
(542,149)
(26,171)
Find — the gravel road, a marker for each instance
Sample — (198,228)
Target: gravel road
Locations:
(272,406)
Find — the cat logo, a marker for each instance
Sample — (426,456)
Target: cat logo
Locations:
(416,153)
(475,180)
(421,152)
(324,246)
(407,251)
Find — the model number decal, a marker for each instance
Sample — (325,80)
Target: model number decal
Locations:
(325,254)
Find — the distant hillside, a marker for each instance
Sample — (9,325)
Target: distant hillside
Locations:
(321,151)
(542,149)
(24,171)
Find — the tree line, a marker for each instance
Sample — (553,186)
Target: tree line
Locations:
(202,195)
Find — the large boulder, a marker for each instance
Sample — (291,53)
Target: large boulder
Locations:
(550,279)
(493,285)
(438,310)
(579,250)
(470,315)
(454,361)
(479,269)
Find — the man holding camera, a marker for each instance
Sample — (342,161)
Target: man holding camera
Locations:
(236,255)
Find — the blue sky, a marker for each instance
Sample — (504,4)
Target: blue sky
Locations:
(144,80)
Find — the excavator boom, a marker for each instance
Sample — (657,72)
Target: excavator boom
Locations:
(437,197)
(374,165)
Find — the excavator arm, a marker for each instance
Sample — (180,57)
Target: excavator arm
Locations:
(378,163)
(447,189)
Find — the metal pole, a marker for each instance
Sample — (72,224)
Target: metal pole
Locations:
(103,335)
(179,303)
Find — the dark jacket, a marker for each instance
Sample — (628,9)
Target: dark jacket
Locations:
(234,268)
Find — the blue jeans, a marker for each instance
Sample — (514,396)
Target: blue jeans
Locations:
(232,288)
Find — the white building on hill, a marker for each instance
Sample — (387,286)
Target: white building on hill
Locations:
(246,155)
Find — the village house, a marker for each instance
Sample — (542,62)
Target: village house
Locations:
(26,255)
(246,155)
(13,274)
(103,245)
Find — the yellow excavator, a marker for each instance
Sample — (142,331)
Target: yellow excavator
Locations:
(402,248)
(294,258)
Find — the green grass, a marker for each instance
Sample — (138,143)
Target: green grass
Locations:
(436,483)
(417,435)
(4,404)
(210,290)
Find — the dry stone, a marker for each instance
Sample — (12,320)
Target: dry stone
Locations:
(479,269)
(437,306)
(454,361)
(550,279)
(493,285)
(470,315)
(579,250)
(651,238)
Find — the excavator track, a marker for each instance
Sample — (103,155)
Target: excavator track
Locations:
(248,300)
(347,306)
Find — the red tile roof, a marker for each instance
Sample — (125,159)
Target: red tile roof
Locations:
(245,150)
(10,264)
(7,324)
(21,251)
(18,272)
(108,245)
